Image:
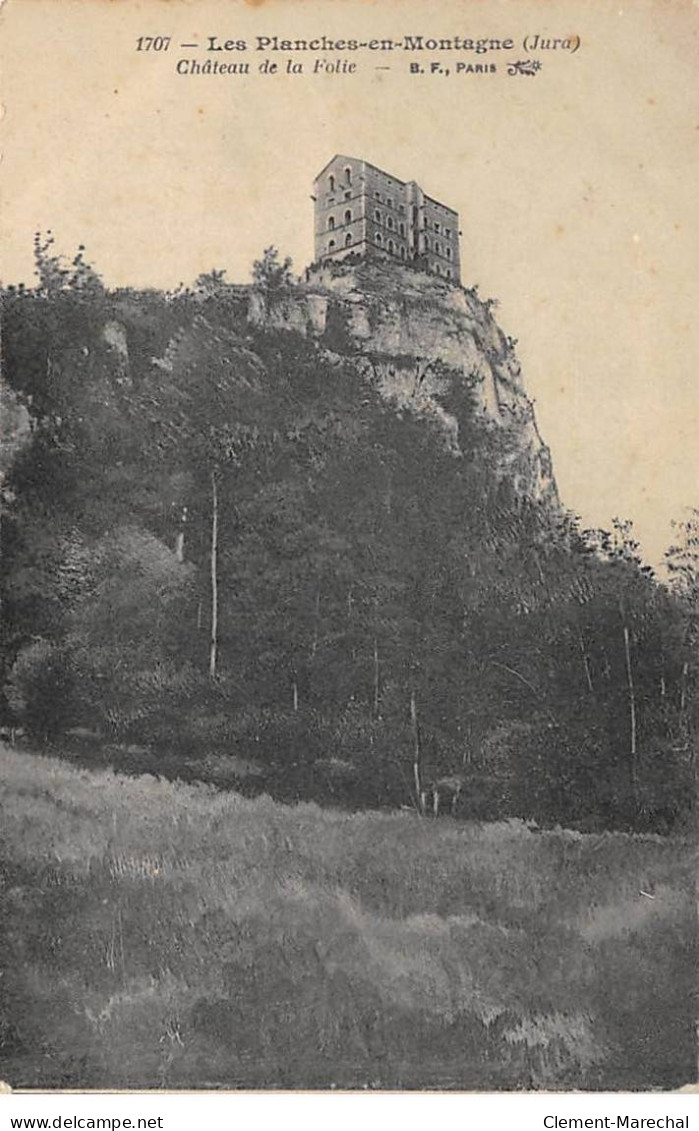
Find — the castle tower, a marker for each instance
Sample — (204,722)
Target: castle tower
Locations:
(361,210)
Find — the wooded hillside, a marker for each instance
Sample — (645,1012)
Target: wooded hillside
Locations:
(224,543)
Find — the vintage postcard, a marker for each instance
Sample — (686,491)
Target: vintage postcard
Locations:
(349,672)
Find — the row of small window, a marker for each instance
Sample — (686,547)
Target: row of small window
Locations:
(390,248)
(438,248)
(389,202)
(331,220)
(389,222)
(378,239)
(401,209)
(377,217)
(389,225)
(332,246)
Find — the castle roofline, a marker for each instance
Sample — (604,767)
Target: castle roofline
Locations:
(338,156)
(369,165)
(347,157)
(441,204)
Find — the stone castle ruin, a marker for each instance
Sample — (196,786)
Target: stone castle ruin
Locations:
(361,210)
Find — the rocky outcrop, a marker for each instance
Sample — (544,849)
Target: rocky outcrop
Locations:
(423,342)
(420,339)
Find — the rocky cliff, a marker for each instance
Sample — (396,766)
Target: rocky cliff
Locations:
(425,344)
(422,341)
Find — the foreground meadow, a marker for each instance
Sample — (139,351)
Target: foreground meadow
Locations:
(168,935)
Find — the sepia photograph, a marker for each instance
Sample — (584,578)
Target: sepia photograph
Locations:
(349,545)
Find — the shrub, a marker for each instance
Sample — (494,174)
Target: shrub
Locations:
(40,690)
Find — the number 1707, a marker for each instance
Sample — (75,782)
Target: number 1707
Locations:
(153,42)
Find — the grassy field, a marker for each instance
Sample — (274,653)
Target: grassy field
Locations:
(167,935)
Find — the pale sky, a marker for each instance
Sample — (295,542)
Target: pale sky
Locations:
(578,189)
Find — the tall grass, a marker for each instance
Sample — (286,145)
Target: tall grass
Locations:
(161,934)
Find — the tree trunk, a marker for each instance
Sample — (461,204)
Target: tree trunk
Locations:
(472,741)
(586,664)
(179,540)
(295,692)
(632,717)
(417,754)
(683,691)
(316,624)
(213,651)
(377,680)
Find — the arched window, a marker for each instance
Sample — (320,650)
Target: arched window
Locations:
(331,223)
(331,246)
(389,222)
(390,246)
(377,216)
(348,217)
(348,239)
(427,245)
(348,176)
(377,194)
(438,249)
(436,267)
(447,233)
(331,182)
(402,253)
(436,226)
(378,238)
(389,201)
(402,229)
(448,253)
(448,272)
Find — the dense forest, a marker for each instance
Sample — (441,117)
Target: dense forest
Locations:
(222,545)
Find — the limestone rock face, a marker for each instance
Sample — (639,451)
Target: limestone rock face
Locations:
(421,340)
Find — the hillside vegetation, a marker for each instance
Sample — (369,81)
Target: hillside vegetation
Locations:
(238,534)
(158,934)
